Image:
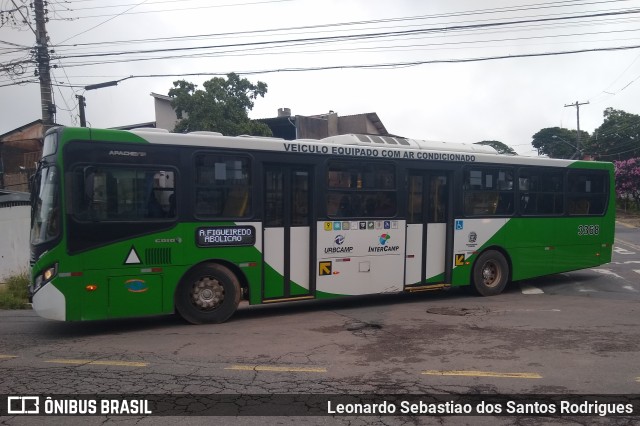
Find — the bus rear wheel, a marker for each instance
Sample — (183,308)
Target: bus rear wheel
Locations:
(208,294)
(490,273)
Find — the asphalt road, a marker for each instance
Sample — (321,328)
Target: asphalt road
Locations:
(571,333)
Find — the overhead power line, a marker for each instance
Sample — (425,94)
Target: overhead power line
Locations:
(388,65)
(351,37)
(104,22)
(515,8)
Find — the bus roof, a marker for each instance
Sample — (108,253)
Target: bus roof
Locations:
(356,139)
(348,145)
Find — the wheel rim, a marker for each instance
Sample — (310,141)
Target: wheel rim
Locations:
(491,274)
(207,294)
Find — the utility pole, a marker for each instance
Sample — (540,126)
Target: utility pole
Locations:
(81,105)
(577,105)
(42,59)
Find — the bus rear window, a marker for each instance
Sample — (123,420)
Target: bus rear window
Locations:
(588,192)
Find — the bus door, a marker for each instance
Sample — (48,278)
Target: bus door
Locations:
(287,238)
(429,241)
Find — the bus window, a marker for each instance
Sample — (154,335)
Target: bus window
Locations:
(488,192)
(438,198)
(300,198)
(223,186)
(45,221)
(357,189)
(414,207)
(115,193)
(541,192)
(274,198)
(588,192)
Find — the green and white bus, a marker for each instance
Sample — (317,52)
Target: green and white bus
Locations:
(147,222)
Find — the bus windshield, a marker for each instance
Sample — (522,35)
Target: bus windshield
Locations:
(45,221)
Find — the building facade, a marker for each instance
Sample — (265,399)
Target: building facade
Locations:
(20,151)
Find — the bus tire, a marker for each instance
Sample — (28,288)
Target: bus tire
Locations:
(208,294)
(490,273)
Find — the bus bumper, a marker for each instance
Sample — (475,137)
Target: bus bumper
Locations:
(49,303)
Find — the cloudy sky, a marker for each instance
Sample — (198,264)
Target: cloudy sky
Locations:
(451,70)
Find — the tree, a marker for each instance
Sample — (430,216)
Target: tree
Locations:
(617,138)
(628,179)
(557,142)
(502,148)
(222,106)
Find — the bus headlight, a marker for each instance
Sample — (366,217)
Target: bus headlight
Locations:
(47,275)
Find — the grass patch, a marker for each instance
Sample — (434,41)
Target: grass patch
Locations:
(14,294)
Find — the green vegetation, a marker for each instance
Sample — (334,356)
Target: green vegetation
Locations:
(14,294)
(502,148)
(617,138)
(223,106)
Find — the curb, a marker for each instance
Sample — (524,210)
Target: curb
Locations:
(626,225)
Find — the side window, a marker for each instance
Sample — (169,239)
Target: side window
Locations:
(488,192)
(286,196)
(415,203)
(588,192)
(274,198)
(222,186)
(436,193)
(105,193)
(438,198)
(361,189)
(541,192)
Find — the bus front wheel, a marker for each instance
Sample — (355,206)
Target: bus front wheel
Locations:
(209,293)
(490,273)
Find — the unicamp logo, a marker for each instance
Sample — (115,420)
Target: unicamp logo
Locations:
(383,247)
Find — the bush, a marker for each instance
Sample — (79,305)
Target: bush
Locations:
(628,182)
(15,295)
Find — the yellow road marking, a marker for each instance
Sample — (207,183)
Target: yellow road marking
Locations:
(98,362)
(276,368)
(474,373)
(8,356)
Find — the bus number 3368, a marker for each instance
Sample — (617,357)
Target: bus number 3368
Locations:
(588,230)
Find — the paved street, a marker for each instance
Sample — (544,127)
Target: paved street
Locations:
(571,333)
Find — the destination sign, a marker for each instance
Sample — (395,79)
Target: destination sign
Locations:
(215,236)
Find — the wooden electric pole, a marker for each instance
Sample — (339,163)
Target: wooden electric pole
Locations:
(577,105)
(42,60)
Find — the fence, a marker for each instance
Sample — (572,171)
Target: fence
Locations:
(14,238)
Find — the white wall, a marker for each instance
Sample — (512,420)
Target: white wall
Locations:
(165,114)
(14,241)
